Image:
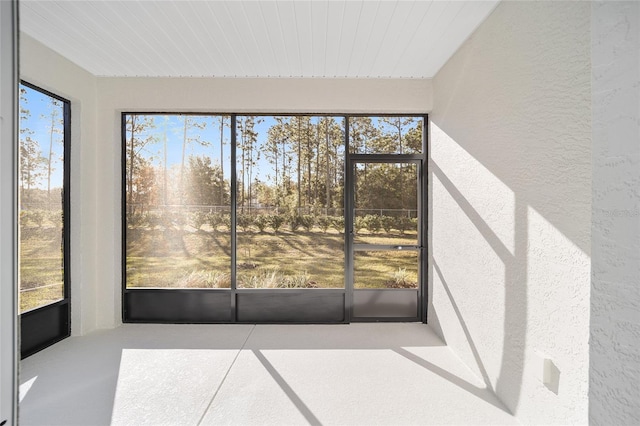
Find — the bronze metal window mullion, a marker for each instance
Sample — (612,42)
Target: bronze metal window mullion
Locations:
(234,201)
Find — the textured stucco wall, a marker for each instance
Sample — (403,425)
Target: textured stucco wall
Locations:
(510,174)
(614,391)
(45,68)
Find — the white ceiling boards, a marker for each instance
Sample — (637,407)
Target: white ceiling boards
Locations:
(185,38)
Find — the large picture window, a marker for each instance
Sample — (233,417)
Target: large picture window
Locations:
(44,217)
(290,202)
(178,198)
(245,218)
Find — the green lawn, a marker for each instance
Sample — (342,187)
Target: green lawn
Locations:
(186,258)
(41,272)
(158,257)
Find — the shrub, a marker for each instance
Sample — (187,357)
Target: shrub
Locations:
(55,218)
(337,222)
(401,279)
(307,222)
(402,223)
(273,278)
(244,221)
(169,219)
(261,222)
(264,279)
(180,219)
(226,221)
(215,220)
(372,223)
(276,221)
(359,224)
(152,219)
(198,219)
(294,222)
(204,279)
(414,224)
(135,220)
(37,217)
(323,223)
(295,281)
(387,223)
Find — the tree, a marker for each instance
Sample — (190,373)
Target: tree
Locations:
(396,136)
(275,151)
(248,139)
(413,137)
(190,122)
(136,128)
(31,159)
(144,189)
(222,125)
(205,179)
(32,165)
(56,131)
(398,124)
(361,133)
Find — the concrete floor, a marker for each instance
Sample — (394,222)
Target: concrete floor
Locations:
(254,375)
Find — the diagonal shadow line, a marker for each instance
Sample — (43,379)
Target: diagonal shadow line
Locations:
(484,394)
(206,410)
(489,235)
(472,346)
(300,405)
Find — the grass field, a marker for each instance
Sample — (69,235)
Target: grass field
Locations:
(41,272)
(179,258)
(189,258)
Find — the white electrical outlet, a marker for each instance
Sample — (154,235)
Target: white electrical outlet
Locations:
(548,372)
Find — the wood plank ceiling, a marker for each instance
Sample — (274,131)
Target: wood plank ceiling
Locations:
(185,38)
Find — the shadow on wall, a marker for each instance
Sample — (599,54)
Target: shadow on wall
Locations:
(515,294)
(510,204)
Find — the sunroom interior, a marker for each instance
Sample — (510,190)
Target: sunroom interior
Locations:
(291,212)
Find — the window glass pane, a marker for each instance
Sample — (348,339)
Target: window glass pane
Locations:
(385,135)
(178,200)
(386,203)
(41,181)
(290,202)
(385,269)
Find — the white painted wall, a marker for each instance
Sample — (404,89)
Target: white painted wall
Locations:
(511,206)
(8,213)
(614,392)
(41,66)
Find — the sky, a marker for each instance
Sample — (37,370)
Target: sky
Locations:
(39,121)
(173,127)
(169,126)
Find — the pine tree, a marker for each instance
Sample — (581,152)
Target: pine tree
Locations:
(136,131)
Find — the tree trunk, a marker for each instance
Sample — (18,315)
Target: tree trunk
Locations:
(327,182)
(50,157)
(165,185)
(299,184)
(221,201)
(184,150)
(131,164)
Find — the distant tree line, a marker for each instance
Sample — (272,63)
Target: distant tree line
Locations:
(296,164)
